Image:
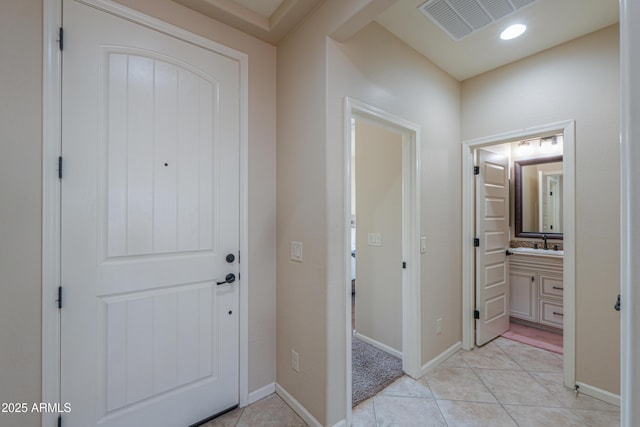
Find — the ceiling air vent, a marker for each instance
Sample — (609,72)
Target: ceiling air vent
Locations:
(459,18)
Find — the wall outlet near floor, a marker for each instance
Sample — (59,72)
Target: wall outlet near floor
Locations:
(439,326)
(294,361)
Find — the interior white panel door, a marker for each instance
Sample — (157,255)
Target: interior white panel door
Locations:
(492,228)
(150,209)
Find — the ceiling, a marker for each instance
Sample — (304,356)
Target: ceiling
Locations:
(268,20)
(549,23)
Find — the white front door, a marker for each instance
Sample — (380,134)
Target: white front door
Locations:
(492,229)
(150,210)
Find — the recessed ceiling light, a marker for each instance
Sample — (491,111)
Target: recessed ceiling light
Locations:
(513,31)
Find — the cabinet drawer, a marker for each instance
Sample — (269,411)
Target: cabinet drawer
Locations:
(550,286)
(551,313)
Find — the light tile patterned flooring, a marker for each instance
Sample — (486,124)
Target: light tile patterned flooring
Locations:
(268,412)
(504,383)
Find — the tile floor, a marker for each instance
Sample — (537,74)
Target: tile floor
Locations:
(268,412)
(504,383)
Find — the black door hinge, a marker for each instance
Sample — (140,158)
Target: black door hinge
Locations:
(59,300)
(476,170)
(59,167)
(476,242)
(61,38)
(476,314)
(404,264)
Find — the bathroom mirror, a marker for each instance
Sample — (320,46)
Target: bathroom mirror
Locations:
(538,197)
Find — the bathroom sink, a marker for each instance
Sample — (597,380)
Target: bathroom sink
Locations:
(532,251)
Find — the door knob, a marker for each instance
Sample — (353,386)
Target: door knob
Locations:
(230,278)
(230,258)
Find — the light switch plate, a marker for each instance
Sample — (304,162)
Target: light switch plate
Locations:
(296,251)
(423,245)
(374,239)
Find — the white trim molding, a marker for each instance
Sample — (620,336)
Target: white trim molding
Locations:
(379,345)
(598,393)
(629,213)
(297,407)
(261,393)
(440,358)
(567,128)
(52,146)
(51,150)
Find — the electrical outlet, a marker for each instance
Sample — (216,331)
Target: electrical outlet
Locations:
(294,361)
(439,326)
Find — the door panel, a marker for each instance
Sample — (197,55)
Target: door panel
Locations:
(150,209)
(155,205)
(492,223)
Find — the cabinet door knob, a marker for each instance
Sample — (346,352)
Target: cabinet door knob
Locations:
(532,279)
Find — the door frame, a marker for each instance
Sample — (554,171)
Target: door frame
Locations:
(411,343)
(567,127)
(629,210)
(51,187)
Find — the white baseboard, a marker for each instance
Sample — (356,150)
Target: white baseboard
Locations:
(261,393)
(379,345)
(297,407)
(341,423)
(440,358)
(598,393)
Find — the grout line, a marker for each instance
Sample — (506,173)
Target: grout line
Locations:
(373,408)
(441,413)
(241,414)
(494,396)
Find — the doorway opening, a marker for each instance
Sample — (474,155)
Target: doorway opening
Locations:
(558,273)
(400,199)
(377,256)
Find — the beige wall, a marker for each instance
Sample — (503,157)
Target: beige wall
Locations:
(377,68)
(20,209)
(314,75)
(378,175)
(310,203)
(578,80)
(20,205)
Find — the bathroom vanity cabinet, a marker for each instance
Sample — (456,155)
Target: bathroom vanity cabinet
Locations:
(536,288)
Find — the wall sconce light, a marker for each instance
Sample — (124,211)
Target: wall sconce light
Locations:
(549,145)
(524,148)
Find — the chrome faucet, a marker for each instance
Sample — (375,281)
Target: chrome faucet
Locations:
(544,237)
